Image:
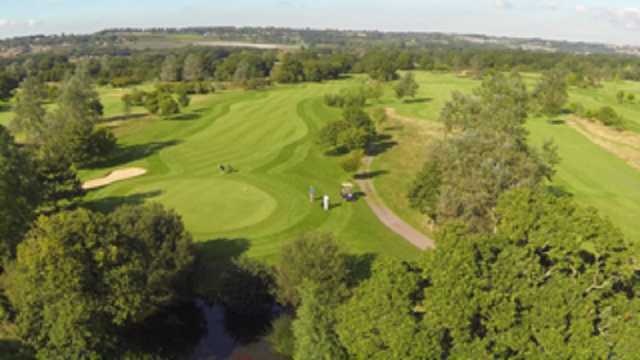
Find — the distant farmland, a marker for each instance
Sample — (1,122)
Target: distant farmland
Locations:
(244,45)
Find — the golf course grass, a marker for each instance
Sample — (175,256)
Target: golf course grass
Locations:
(268,137)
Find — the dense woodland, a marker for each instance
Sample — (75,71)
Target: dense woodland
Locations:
(520,270)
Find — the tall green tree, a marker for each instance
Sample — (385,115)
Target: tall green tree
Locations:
(19,195)
(314,257)
(170,71)
(314,328)
(382,319)
(484,154)
(80,277)
(499,104)
(407,86)
(289,70)
(380,66)
(555,280)
(59,184)
(551,94)
(29,111)
(70,128)
(8,84)
(193,69)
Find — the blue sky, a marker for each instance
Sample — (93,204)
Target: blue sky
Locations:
(612,21)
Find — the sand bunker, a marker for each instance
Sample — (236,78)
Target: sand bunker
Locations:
(114,176)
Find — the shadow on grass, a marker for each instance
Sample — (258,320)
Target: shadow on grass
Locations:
(111,203)
(338,151)
(129,153)
(185,117)
(418,100)
(370,174)
(381,145)
(559,191)
(123,117)
(5,107)
(394,128)
(556,122)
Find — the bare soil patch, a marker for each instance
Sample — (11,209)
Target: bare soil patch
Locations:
(623,144)
(114,176)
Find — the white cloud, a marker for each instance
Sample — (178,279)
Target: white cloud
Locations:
(550,4)
(627,18)
(6,23)
(504,4)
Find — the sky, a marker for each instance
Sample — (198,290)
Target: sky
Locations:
(607,21)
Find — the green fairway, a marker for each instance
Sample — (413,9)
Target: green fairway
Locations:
(268,137)
(594,176)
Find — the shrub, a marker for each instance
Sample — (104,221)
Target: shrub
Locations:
(183,99)
(281,337)
(102,143)
(354,138)
(168,106)
(577,108)
(333,100)
(124,81)
(352,162)
(151,103)
(608,117)
(137,97)
(379,116)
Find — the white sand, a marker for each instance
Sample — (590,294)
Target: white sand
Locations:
(114,176)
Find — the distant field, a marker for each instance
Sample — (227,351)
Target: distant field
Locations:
(167,41)
(242,45)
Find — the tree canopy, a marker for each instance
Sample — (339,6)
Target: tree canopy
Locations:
(484,154)
(19,194)
(80,276)
(551,93)
(407,86)
(313,257)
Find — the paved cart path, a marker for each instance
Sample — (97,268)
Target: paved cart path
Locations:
(388,217)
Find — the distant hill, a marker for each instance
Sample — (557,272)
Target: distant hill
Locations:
(274,37)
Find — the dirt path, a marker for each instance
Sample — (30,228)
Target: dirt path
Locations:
(114,176)
(387,217)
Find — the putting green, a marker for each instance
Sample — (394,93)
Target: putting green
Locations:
(213,205)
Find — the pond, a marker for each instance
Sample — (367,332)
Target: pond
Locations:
(197,330)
